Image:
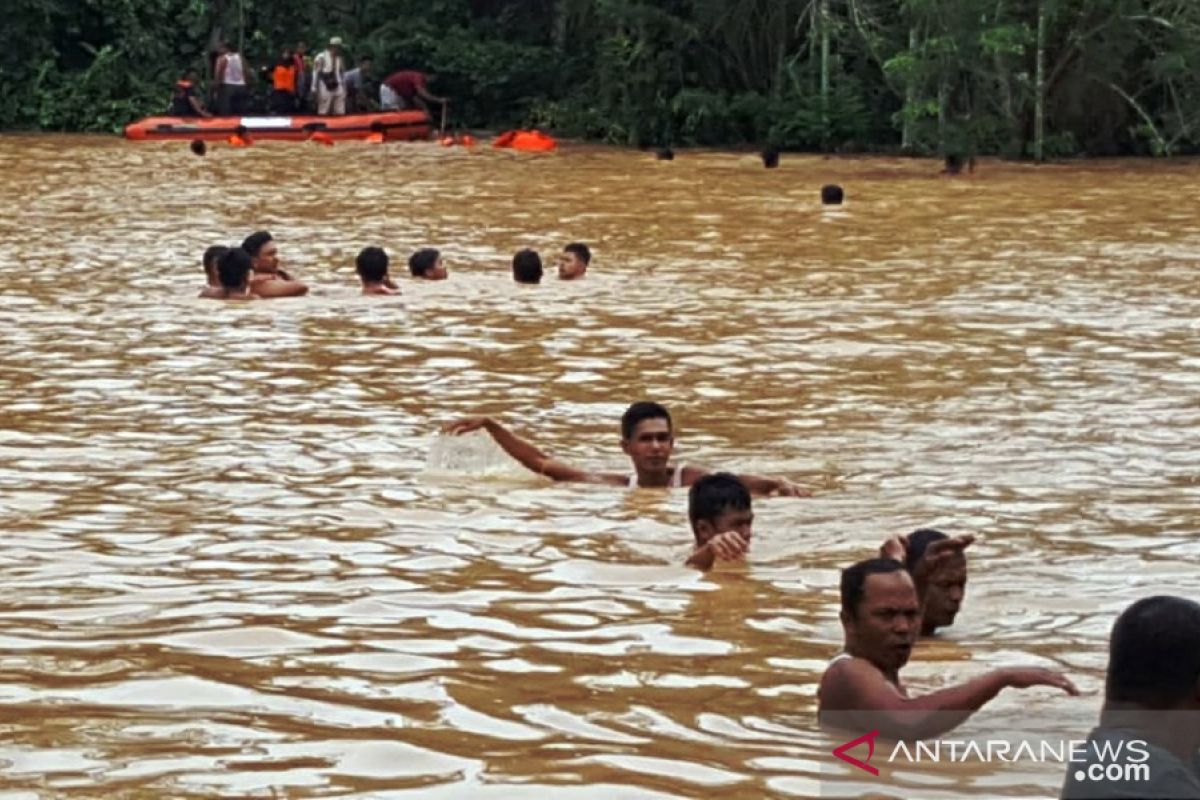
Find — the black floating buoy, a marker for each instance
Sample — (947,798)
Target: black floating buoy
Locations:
(199,147)
(770,157)
(665,154)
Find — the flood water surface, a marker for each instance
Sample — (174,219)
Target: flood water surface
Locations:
(239,560)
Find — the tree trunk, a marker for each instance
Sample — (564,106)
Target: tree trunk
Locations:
(910,98)
(1039,108)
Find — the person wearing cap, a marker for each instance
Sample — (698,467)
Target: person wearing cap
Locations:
(329,79)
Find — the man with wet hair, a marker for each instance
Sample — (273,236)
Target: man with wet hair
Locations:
(212,256)
(938,566)
(573,262)
(233,277)
(269,279)
(721,517)
(372,268)
(527,267)
(647,437)
(861,688)
(427,264)
(832,195)
(1151,712)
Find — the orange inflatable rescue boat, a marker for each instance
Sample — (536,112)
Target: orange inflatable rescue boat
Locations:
(391,125)
(529,141)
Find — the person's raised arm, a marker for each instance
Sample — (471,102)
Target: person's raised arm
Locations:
(867,698)
(525,452)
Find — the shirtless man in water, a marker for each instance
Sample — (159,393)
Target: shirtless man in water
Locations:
(647,437)
(938,566)
(861,688)
(269,279)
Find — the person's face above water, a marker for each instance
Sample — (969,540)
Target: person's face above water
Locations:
(267,259)
(570,266)
(438,272)
(886,622)
(944,594)
(651,444)
(728,520)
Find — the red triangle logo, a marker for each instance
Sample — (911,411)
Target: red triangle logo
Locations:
(869,738)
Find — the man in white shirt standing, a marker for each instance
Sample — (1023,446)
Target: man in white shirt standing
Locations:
(329,79)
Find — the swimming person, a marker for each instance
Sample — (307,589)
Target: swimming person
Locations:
(427,264)
(1151,713)
(720,514)
(938,567)
(372,268)
(527,267)
(573,262)
(233,274)
(861,688)
(269,279)
(832,195)
(212,257)
(647,437)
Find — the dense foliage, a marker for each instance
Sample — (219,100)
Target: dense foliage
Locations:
(1024,78)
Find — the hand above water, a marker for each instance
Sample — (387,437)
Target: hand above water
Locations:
(785,488)
(729,546)
(466,425)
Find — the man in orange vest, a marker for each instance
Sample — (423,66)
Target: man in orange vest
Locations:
(283,85)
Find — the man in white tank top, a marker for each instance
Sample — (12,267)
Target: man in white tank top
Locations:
(647,437)
(230,81)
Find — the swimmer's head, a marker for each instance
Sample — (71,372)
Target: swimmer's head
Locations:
(427,263)
(527,267)
(573,262)
(372,264)
(647,436)
(718,503)
(832,195)
(198,147)
(947,586)
(770,157)
(881,615)
(213,256)
(665,154)
(233,270)
(263,252)
(1154,655)
(953,164)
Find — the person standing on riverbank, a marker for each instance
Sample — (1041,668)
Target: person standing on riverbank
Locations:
(329,79)
(283,85)
(357,100)
(185,99)
(230,80)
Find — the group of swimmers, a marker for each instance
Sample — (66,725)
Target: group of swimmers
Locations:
(913,586)
(252,270)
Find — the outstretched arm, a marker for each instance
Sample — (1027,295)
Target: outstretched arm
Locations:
(427,95)
(529,455)
(860,693)
(775,486)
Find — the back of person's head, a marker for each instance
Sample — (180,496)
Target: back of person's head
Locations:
(832,194)
(372,264)
(212,256)
(714,494)
(255,241)
(770,157)
(422,261)
(918,543)
(581,250)
(527,267)
(854,581)
(640,412)
(953,163)
(1154,654)
(665,154)
(234,268)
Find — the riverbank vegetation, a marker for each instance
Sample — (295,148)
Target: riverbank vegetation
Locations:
(1020,78)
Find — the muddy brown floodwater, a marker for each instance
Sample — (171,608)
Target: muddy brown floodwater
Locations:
(231,567)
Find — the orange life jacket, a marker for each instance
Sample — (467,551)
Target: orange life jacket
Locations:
(283,78)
